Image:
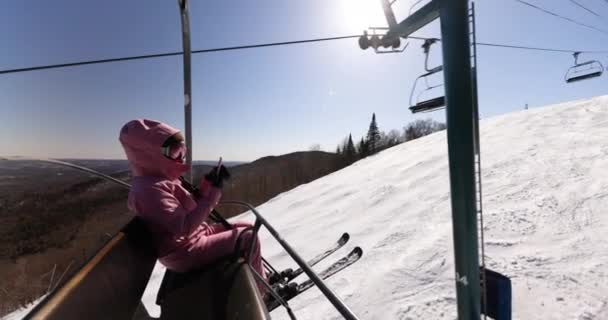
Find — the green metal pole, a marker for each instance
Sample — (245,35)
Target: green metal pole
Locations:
(185,19)
(459,111)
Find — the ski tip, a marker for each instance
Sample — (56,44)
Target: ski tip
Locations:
(344,238)
(357,251)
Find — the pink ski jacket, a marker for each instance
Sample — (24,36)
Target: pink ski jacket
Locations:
(170,212)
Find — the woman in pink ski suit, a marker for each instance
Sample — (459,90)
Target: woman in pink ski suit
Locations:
(175,217)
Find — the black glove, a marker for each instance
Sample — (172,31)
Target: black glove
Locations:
(194,190)
(217,176)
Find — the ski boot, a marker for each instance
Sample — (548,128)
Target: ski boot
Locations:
(282,277)
(284,290)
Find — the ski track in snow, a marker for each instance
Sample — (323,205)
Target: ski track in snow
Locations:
(545,188)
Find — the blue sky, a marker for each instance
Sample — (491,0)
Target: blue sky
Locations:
(253,103)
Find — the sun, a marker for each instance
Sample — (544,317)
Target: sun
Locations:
(358,15)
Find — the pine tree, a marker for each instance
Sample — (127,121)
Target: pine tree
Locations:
(373,137)
(363,149)
(350,152)
(338,151)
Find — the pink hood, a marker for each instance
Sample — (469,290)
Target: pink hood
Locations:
(142,140)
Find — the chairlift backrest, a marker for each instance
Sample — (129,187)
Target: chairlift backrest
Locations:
(109,285)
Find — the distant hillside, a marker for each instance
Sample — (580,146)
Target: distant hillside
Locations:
(54,218)
(261,180)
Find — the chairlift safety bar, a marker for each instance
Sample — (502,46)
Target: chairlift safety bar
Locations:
(329,294)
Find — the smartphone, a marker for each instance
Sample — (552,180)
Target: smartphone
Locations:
(219,165)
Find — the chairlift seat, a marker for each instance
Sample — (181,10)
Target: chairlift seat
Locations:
(429,105)
(584,76)
(224,290)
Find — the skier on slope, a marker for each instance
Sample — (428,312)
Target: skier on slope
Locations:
(175,217)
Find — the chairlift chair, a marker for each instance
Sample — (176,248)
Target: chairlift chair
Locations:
(583,70)
(433,103)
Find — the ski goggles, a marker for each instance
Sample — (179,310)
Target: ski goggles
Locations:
(174,149)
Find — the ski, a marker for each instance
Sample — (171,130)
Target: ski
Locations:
(333,269)
(290,274)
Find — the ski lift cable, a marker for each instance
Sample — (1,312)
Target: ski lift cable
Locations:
(560,16)
(177,53)
(71,165)
(584,8)
(487,44)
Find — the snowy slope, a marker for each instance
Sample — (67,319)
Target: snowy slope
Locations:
(545,186)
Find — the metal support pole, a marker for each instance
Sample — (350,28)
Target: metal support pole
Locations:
(460,130)
(185,18)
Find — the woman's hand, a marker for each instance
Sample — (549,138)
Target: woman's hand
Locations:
(217,176)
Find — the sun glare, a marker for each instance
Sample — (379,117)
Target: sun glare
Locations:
(358,15)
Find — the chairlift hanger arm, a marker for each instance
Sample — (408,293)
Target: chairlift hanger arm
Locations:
(388,13)
(427,51)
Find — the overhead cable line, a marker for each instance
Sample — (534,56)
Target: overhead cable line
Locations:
(585,8)
(561,17)
(160,55)
(177,53)
(536,48)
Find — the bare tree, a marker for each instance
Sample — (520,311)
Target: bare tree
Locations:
(315,147)
(393,138)
(421,128)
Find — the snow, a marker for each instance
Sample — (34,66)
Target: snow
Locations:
(545,185)
(20,314)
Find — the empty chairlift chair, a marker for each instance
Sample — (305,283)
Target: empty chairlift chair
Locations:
(430,104)
(583,70)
